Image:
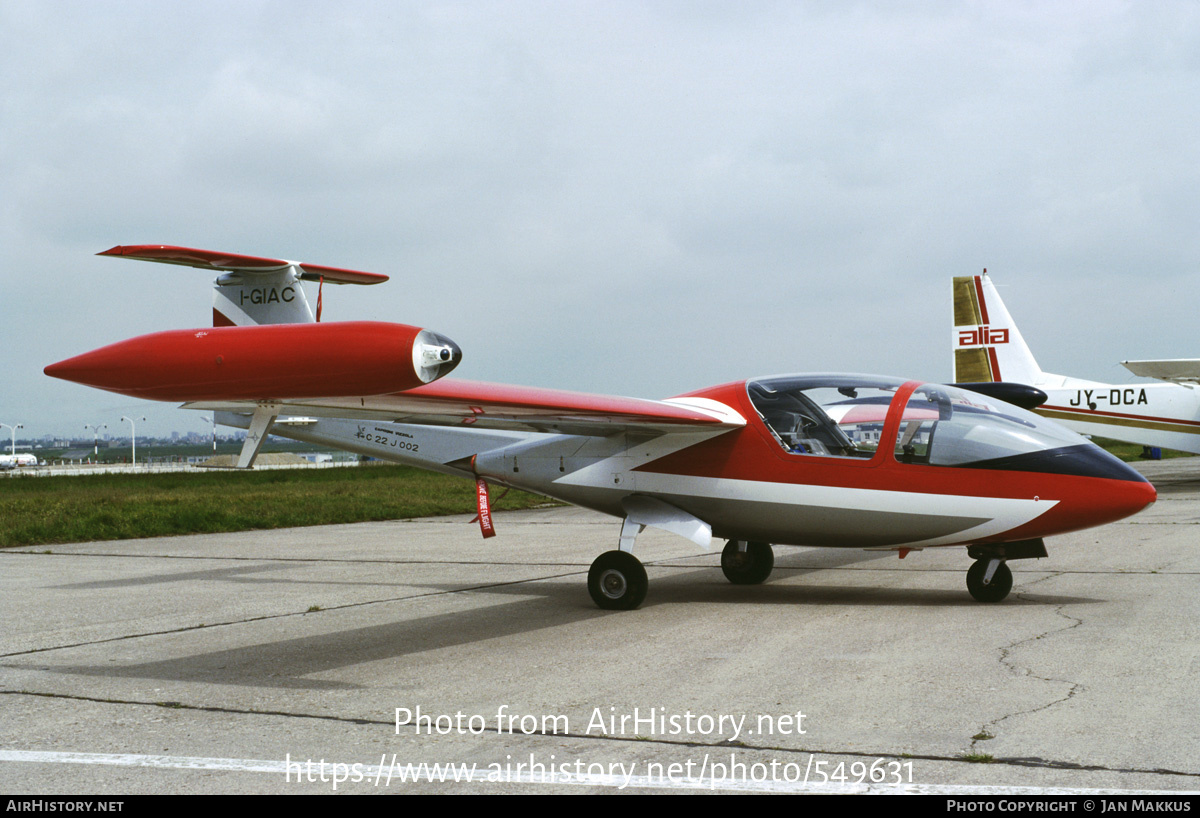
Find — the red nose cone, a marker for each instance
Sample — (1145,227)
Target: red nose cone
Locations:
(1123,499)
(100,368)
(1092,502)
(63,369)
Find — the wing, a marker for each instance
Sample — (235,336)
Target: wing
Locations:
(1178,370)
(521,408)
(235,262)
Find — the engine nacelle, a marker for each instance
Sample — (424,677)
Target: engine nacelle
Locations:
(266,362)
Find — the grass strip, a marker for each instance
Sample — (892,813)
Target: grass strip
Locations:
(1132,452)
(45,510)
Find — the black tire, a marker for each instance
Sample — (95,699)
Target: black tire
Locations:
(617,581)
(997,589)
(749,567)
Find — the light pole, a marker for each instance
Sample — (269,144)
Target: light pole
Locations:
(213,420)
(96,439)
(133,440)
(14,435)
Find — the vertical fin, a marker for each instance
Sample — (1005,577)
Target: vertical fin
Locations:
(987,344)
(243,298)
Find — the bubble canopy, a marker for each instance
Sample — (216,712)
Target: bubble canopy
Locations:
(844,416)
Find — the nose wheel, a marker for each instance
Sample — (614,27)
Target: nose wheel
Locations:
(617,581)
(989,580)
(747,563)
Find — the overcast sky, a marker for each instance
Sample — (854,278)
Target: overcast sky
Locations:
(625,198)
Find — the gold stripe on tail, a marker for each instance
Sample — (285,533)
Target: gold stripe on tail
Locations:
(970,365)
(966,304)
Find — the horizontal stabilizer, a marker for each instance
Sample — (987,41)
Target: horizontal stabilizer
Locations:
(1178,370)
(235,262)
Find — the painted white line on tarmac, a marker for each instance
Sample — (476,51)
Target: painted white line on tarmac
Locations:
(396,772)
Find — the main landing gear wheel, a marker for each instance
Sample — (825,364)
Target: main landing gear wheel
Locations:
(994,591)
(749,567)
(617,581)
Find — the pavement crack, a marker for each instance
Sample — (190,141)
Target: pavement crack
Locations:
(1007,659)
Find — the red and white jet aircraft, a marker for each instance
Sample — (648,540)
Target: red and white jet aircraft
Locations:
(834,460)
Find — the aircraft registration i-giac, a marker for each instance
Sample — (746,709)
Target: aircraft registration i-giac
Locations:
(989,347)
(832,460)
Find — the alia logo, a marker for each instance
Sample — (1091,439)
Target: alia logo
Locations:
(982,336)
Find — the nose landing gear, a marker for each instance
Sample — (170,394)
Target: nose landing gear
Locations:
(989,580)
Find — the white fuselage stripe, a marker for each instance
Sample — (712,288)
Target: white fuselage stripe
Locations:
(1002,514)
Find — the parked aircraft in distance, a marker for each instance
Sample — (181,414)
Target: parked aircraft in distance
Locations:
(833,460)
(12,461)
(988,346)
